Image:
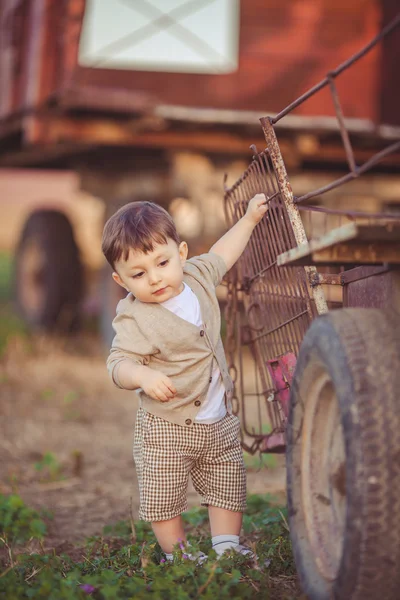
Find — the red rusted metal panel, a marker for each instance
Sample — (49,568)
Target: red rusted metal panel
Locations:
(390,80)
(284,48)
(371,287)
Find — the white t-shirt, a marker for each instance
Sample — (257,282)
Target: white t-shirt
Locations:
(186,306)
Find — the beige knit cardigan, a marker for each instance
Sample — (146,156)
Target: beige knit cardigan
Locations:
(151,335)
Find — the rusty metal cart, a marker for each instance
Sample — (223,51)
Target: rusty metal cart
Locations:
(326,384)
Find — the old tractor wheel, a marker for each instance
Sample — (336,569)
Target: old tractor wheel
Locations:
(48,275)
(343,457)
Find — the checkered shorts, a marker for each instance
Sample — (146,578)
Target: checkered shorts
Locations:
(165,454)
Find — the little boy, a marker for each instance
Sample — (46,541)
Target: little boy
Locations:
(168,347)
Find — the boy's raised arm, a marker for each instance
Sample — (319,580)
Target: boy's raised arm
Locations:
(231,245)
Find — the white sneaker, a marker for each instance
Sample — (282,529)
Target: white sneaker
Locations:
(240,549)
(199,557)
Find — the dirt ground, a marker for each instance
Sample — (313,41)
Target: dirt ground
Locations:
(56,398)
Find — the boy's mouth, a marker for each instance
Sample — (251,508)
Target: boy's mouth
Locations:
(160,291)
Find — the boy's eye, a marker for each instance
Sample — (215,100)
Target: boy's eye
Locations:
(137,275)
(164,263)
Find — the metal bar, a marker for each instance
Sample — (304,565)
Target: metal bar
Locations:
(342,67)
(291,208)
(326,279)
(359,171)
(343,131)
(304,312)
(257,275)
(350,213)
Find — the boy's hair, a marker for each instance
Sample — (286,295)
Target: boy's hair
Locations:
(137,226)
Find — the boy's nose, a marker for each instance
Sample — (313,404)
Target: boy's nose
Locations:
(154,277)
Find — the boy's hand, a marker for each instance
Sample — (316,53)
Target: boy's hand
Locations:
(158,386)
(257,208)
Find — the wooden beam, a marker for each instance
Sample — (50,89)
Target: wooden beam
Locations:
(350,244)
(50,130)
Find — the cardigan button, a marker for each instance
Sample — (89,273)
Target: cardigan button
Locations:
(202,333)
(210,380)
(188,421)
(197,403)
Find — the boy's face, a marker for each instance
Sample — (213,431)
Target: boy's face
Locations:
(154,276)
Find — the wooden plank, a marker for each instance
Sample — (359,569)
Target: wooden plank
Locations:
(350,244)
(46,131)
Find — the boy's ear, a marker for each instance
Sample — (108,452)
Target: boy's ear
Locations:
(183,252)
(118,280)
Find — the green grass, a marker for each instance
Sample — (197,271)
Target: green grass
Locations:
(5,276)
(256,462)
(124,562)
(10,324)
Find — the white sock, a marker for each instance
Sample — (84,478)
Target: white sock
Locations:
(169,556)
(222,543)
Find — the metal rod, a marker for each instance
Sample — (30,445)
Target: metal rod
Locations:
(349,176)
(343,131)
(349,213)
(342,67)
(304,312)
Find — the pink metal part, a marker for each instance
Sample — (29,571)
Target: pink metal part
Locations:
(281,371)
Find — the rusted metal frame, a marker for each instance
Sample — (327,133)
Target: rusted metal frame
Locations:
(257,275)
(258,171)
(350,213)
(294,330)
(250,175)
(343,131)
(250,190)
(359,171)
(342,67)
(242,392)
(241,179)
(292,210)
(326,279)
(281,275)
(264,178)
(240,212)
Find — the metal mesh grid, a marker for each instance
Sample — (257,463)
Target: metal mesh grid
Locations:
(271,309)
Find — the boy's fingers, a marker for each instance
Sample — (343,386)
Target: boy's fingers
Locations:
(167,390)
(163,397)
(168,383)
(260,198)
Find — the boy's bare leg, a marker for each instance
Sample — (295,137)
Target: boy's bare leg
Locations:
(223,521)
(169,533)
(225,531)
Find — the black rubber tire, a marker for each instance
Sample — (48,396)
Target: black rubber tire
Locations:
(358,352)
(60,281)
